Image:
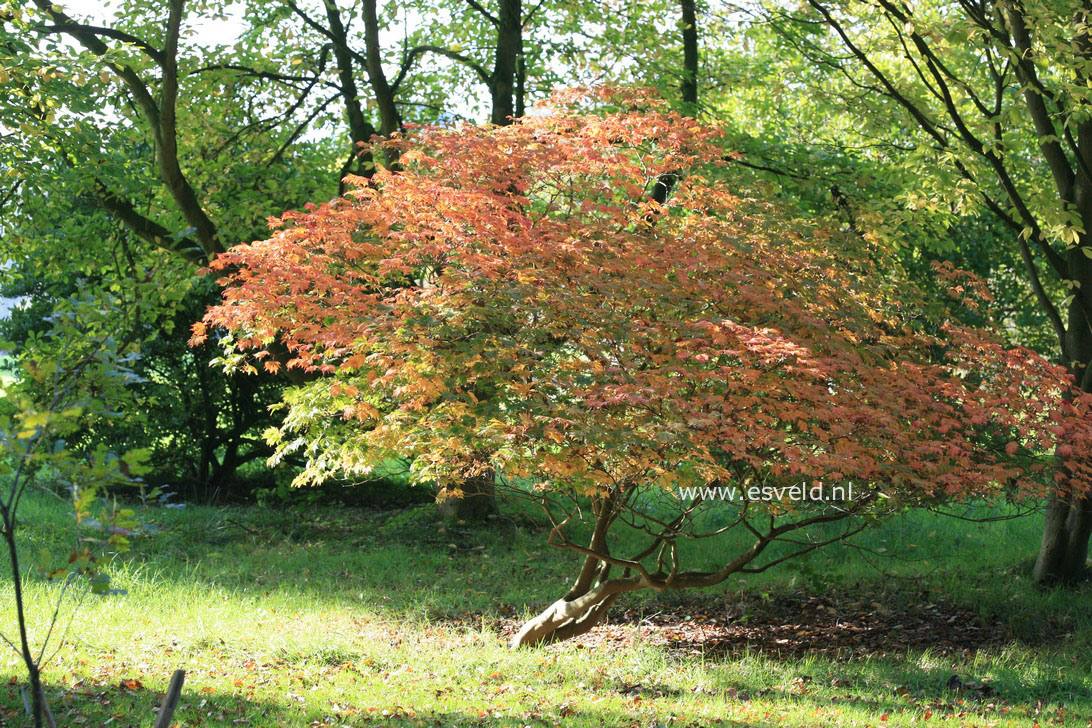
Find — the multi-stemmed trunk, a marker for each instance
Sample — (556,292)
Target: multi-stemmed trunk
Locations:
(587,602)
(596,589)
(572,615)
(1063,552)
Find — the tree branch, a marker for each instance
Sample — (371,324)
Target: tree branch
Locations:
(145,228)
(76,28)
(415,53)
(160,118)
(485,13)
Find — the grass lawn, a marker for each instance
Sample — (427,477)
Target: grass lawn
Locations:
(285,617)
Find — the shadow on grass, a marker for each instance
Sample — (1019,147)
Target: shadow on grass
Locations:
(884,688)
(411,561)
(409,566)
(116,705)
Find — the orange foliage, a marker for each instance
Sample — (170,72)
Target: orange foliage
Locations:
(514,297)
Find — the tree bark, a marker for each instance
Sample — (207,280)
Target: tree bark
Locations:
(571,617)
(689,86)
(165,134)
(390,120)
(33,671)
(1063,551)
(360,129)
(170,700)
(38,711)
(521,82)
(502,83)
(590,596)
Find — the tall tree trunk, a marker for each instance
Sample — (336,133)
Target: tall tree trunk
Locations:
(502,83)
(360,129)
(689,86)
(521,81)
(1063,552)
(390,120)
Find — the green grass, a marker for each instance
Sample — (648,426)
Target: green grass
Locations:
(344,617)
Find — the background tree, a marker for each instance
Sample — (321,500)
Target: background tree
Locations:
(691,67)
(110,200)
(181,147)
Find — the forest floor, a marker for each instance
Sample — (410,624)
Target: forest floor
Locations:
(316,616)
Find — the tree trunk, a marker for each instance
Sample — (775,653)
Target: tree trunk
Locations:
(521,81)
(360,129)
(568,617)
(477,503)
(37,710)
(1063,552)
(689,86)
(509,44)
(591,595)
(390,120)
(33,671)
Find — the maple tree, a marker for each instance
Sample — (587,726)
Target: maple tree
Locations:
(579,303)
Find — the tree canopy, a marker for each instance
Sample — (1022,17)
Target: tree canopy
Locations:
(579,302)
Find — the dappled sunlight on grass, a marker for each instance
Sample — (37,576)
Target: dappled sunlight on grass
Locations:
(332,617)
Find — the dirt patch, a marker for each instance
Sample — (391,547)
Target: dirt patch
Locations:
(795,624)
